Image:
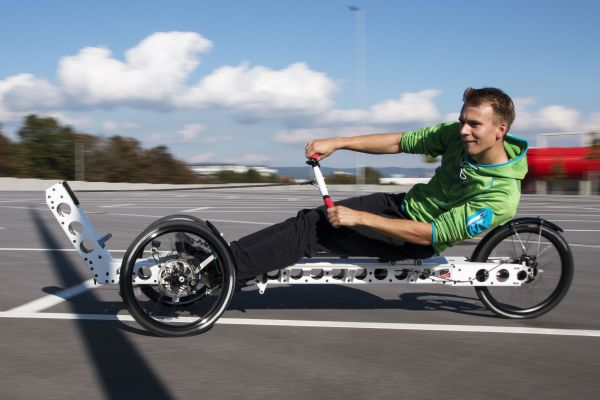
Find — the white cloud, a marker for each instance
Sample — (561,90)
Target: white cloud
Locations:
(453,116)
(190,132)
(252,159)
(216,139)
(152,72)
(294,136)
(81,124)
(155,74)
(187,134)
(593,123)
(549,118)
(112,126)
(409,107)
(200,158)
(23,93)
(259,90)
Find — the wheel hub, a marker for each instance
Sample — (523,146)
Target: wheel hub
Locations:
(532,266)
(176,279)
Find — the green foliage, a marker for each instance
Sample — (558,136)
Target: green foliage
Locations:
(594,153)
(558,172)
(340,179)
(8,162)
(47,151)
(250,176)
(372,177)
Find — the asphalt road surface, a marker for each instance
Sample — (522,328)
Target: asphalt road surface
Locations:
(431,343)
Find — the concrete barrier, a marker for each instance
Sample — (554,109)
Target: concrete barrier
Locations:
(17,184)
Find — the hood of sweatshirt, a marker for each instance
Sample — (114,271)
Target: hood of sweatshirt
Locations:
(515,167)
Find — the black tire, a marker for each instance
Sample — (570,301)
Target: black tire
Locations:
(543,248)
(178,217)
(201,297)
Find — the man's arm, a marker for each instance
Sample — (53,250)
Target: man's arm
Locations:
(380,143)
(407,230)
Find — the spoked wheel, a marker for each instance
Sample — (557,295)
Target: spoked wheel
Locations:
(550,269)
(177,278)
(151,291)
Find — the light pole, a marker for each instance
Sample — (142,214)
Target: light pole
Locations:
(79,160)
(360,47)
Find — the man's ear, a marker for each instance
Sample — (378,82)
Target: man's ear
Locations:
(502,130)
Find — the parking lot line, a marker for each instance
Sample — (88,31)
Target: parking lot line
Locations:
(328,324)
(53,299)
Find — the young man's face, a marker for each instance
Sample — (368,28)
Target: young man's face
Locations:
(481,136)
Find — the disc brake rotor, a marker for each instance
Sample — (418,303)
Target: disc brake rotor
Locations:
(177,279)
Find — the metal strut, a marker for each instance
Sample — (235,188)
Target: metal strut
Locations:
(91,247)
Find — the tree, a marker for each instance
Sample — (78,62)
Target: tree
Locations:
(7,156)
(163,168)
(558,172)
(119,159)
(46,149)
(372,176)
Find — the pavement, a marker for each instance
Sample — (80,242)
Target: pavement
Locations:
(321,341)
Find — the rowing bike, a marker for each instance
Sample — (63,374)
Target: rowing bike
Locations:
(177,277)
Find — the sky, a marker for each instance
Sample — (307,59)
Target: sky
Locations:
(251,82)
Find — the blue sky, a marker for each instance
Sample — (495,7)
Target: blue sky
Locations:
(252,81)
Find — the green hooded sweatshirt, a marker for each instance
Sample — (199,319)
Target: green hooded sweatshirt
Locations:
(463,198)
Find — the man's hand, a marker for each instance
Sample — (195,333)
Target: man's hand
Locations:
(321,147)
(343,216)
(405,229)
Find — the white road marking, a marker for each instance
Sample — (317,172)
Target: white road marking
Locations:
(117,205)
(1,228)
(327,324)
(573,220)
(241,222)
(137,215)
(591,246)
(582,230)
(196,209)
(278,211)
(31,249)
(212,220)
(54,299)
(545,215)
(25,208)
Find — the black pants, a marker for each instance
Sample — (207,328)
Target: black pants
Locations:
(285,243)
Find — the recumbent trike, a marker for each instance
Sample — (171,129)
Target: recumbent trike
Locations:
(177,277)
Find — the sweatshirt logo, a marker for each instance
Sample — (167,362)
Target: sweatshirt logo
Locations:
(479,221)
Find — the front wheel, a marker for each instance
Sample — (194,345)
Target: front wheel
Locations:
(548,258)
(177,278)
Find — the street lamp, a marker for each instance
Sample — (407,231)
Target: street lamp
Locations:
(360,46)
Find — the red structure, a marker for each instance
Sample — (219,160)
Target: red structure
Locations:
(575,162)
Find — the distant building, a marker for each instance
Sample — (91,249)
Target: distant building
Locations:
(213,169)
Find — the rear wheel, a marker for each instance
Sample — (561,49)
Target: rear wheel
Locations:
(177,278)
(550,268)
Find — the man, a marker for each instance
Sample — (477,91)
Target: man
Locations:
(476,187)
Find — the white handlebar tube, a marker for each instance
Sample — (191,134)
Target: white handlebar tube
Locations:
(314,163)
